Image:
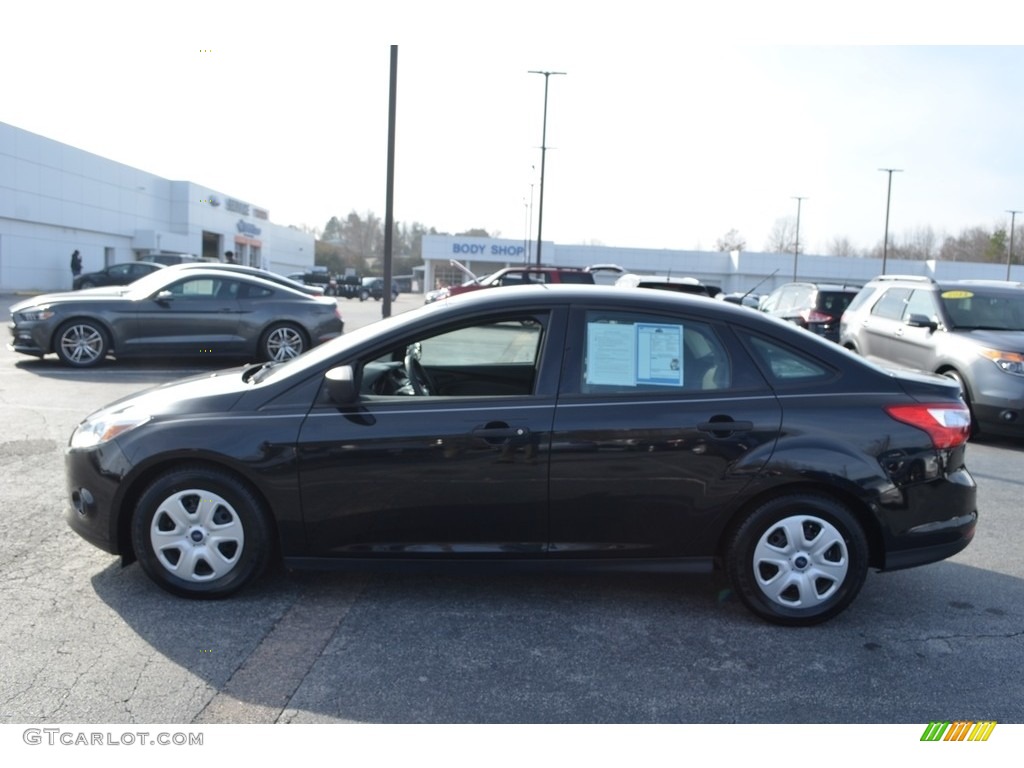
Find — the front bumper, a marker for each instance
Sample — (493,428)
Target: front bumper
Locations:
(94,484)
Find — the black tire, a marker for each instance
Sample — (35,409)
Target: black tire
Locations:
(798,560)
(81,343)
(364,295)
(199,532)
(283,341)
(87,284)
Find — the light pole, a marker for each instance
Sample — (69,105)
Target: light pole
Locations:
(888,198)
(796,248)
(1009,256)
(543,152)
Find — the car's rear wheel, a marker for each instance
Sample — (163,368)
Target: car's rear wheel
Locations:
(87,284)
(798,560)
(199,532)
(81,343)
(283,342)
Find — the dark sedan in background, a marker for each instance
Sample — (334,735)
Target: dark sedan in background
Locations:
(116,274)
(553,426)
(194,312)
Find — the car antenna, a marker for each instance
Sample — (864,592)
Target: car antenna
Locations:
(757,286)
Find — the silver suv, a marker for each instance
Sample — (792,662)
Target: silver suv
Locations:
(969,330)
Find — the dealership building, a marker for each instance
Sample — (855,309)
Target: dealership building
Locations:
(732,272)
(55,199)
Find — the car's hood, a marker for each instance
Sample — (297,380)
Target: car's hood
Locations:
(203,393)
(1010,341)
(86,294)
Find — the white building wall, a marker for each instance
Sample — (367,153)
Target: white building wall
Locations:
(55,198)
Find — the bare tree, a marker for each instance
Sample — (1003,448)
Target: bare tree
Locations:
(731,241)
(841,246)
(782,238)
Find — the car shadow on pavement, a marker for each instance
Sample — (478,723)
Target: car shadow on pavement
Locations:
(583,648)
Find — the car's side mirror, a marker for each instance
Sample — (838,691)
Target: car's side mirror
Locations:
(341,385)
(163,296)
(921,321)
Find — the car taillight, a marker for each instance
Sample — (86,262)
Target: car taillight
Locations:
(814,316)
(948,424)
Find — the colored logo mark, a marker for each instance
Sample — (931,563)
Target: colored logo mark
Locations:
(959,730)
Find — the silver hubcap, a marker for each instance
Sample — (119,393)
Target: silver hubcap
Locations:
(800,561)
(197,535)
(284,343)
(82,344)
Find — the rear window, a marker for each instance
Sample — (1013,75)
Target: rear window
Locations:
(834,302)
(576,277)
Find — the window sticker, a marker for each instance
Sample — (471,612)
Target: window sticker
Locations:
(957,294)
(659,354)
(628,355)
(611,350)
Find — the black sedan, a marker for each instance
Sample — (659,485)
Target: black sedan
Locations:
(195,312)
(116,274)
(566,426)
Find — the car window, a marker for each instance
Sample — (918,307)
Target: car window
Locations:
(498,343)
(121,270)
(625,352)
(892,304)
(920,303)
(497,357)
(197,288)
(834,302)
(784,365)
(250,291)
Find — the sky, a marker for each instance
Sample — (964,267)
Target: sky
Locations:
(673,123)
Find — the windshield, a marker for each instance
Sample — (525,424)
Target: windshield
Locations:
(996,311)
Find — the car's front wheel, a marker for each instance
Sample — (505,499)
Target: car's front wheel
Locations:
(282,342)
(199,532)
(798,559)
(81,343)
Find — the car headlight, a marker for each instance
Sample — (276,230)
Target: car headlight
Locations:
(1010,362)
(36,313)
(104,426)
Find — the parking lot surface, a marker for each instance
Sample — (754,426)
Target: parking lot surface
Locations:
(87,641)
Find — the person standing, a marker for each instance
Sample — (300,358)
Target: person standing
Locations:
(229,257)
(76,264)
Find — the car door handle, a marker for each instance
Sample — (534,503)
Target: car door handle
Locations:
(496,434)
(725,426)
(502,432)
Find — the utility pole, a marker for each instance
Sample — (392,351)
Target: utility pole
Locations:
(796,248)
(543,152)
(1009,256)
(888,198)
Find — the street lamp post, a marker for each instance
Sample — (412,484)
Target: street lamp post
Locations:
(888,198)
(1009,255)
(543,152)
(796,248)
